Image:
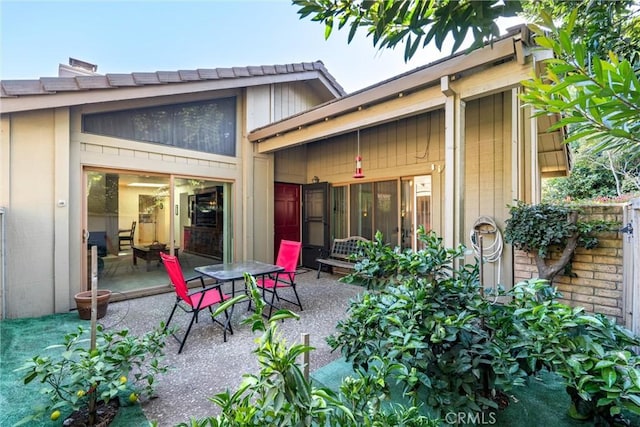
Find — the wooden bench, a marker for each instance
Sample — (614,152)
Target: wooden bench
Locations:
(341,251)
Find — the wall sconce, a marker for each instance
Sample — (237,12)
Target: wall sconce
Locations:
(315,179)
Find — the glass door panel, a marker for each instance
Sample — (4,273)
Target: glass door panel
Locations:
(385,213)
(406,213)
(361,212)
(339,203)
(423,203)
(133,217)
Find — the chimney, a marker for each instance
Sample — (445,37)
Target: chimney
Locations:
(77,67)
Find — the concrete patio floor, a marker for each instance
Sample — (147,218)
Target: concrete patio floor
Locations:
(207,365)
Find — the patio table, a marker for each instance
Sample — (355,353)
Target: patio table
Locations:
(230,272)
(235,270)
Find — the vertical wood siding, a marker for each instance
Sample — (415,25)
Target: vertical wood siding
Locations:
(404,147)
(401,148)
(292,98)
(487,178)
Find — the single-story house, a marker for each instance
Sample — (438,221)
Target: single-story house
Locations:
(219,165)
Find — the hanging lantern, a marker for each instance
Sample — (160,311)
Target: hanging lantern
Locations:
(358,173)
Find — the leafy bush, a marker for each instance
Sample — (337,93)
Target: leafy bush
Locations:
(450,348)
(78,377)
(431,321)
(379,265)
(591,353)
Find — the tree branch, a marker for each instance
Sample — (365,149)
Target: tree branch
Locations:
(549,270)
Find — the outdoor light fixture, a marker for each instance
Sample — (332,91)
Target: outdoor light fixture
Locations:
(358,173)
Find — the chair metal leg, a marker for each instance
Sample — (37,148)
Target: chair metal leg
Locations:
(297,297)
(166,326)
(184,340)
(273,297)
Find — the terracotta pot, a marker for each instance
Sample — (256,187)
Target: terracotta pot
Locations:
(83,303)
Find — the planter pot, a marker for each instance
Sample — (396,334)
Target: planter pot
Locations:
(83,303)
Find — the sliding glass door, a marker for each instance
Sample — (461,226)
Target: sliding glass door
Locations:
(396,208)
(374,207)
(133,217)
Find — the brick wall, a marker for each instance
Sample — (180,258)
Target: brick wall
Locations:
(598,283)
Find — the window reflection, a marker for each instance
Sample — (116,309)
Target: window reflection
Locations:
(131,218)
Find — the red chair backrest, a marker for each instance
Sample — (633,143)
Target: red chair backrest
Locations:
(288,255)
(172,265)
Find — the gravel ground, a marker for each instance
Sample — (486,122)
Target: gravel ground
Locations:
(207,365)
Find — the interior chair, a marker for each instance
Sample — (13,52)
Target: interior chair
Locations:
(99,239)
(193,301)
(126,236)
(288,256)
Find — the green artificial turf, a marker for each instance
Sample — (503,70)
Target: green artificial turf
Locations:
(20,340)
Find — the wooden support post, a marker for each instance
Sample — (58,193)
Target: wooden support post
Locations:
(94,295)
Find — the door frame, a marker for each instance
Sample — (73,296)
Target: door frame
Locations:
(298,209)
(311,251)
(631,261)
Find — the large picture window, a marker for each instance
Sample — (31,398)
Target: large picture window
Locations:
(201,126)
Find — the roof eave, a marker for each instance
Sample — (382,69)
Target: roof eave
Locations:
(81,97)
(392,88)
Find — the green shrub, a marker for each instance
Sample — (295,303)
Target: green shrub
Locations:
(591,353)
(429,318)
(74,376)
(426,326)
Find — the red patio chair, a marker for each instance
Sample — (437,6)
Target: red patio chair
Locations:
(193,301)
(288,255)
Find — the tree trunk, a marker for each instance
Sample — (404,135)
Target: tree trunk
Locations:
(548,270)
(615,174)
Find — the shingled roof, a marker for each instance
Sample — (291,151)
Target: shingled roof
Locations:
(57,85)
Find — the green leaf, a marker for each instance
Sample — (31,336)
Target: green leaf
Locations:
(604,364)
(609,376)
(328,28)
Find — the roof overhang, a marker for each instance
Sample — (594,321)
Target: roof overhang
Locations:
(392,96)
(419,91)
(553,155)
(55,92)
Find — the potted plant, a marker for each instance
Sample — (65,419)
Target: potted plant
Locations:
(85,383)
(83,303)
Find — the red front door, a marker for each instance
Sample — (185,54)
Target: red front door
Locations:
(287,214)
